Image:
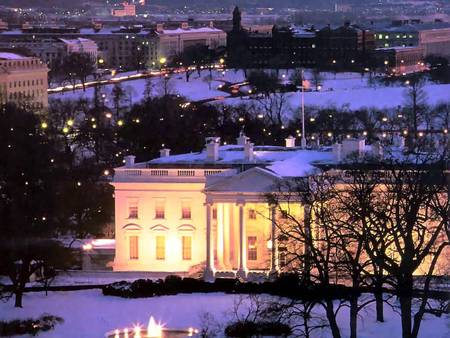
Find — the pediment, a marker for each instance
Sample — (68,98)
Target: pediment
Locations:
(159,227)
(186,227)
(131,226)
(253,180)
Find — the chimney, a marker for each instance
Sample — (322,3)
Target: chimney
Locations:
(351,146)
(377,150)
(337,152)
(290,141)
(212,148)
(249,155)
(129,161)
(159,27)
(184,25)
(242,139)
(164,152)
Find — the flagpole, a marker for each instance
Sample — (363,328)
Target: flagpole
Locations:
(303,140)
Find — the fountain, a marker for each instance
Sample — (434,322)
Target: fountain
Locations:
(154,330)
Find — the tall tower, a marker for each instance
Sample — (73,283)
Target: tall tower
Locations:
(237,19)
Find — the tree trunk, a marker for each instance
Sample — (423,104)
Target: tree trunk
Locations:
(353,316)
(405,307)
(379,305)
(332,319)
(19,295)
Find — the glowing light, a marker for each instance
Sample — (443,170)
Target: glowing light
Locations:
(116,333)
(108,115)
(154,330)
(70,123)
(120,123)
(162,60)
(65,130)
(420,134)
(106,172)
(125,333)
(87,247)
(137,331)
(330,134)
(222,61)
(44,125)
(405,132)
(365,133)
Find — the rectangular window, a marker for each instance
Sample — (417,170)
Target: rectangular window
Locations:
(251,213)
(160,247)
(186,242)
(160,209)
(214,213)
(133,211)
(134,247)
(252,249)
(186,209)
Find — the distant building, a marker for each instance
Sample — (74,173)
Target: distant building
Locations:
(401,60)
(172,42)
(49,49)
(3,25)
(81,45)
(121,48)
(23,81)
(433,37)
(125,9)
(298,46)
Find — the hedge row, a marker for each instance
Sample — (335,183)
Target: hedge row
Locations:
(287,285)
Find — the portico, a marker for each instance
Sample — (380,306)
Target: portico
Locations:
(240,226)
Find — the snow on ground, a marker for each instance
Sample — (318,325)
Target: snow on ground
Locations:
(90,314)
(196,89)
(342,89)
(353,98)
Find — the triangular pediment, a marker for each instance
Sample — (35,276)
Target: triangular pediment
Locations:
(252,180)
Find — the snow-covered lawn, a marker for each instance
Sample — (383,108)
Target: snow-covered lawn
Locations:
(341,89)
(89,314)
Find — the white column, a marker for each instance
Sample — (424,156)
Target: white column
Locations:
(274,257)
(242,272)
(226,235)
(209,270)
(219,234)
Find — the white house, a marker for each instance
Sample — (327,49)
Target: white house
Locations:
(181,213)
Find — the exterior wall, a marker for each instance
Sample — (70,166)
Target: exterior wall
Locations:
(121,50)
(173,227)
(170,44)
(24,82)
(389,38)
(435,42)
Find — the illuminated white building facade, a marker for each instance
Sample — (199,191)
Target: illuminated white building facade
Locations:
(207,210)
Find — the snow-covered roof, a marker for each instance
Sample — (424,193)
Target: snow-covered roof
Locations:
(282,161)
(179,30)
(11,56)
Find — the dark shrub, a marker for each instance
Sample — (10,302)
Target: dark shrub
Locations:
(255,329)
(143,288)
(226,285)
(29,326)
(120,289)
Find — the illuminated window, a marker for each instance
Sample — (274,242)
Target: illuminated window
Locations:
(186,242)
(133,210)
(134,247)
(160,247)
(159,209)
(252,251)
(186,209)
(252,214)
